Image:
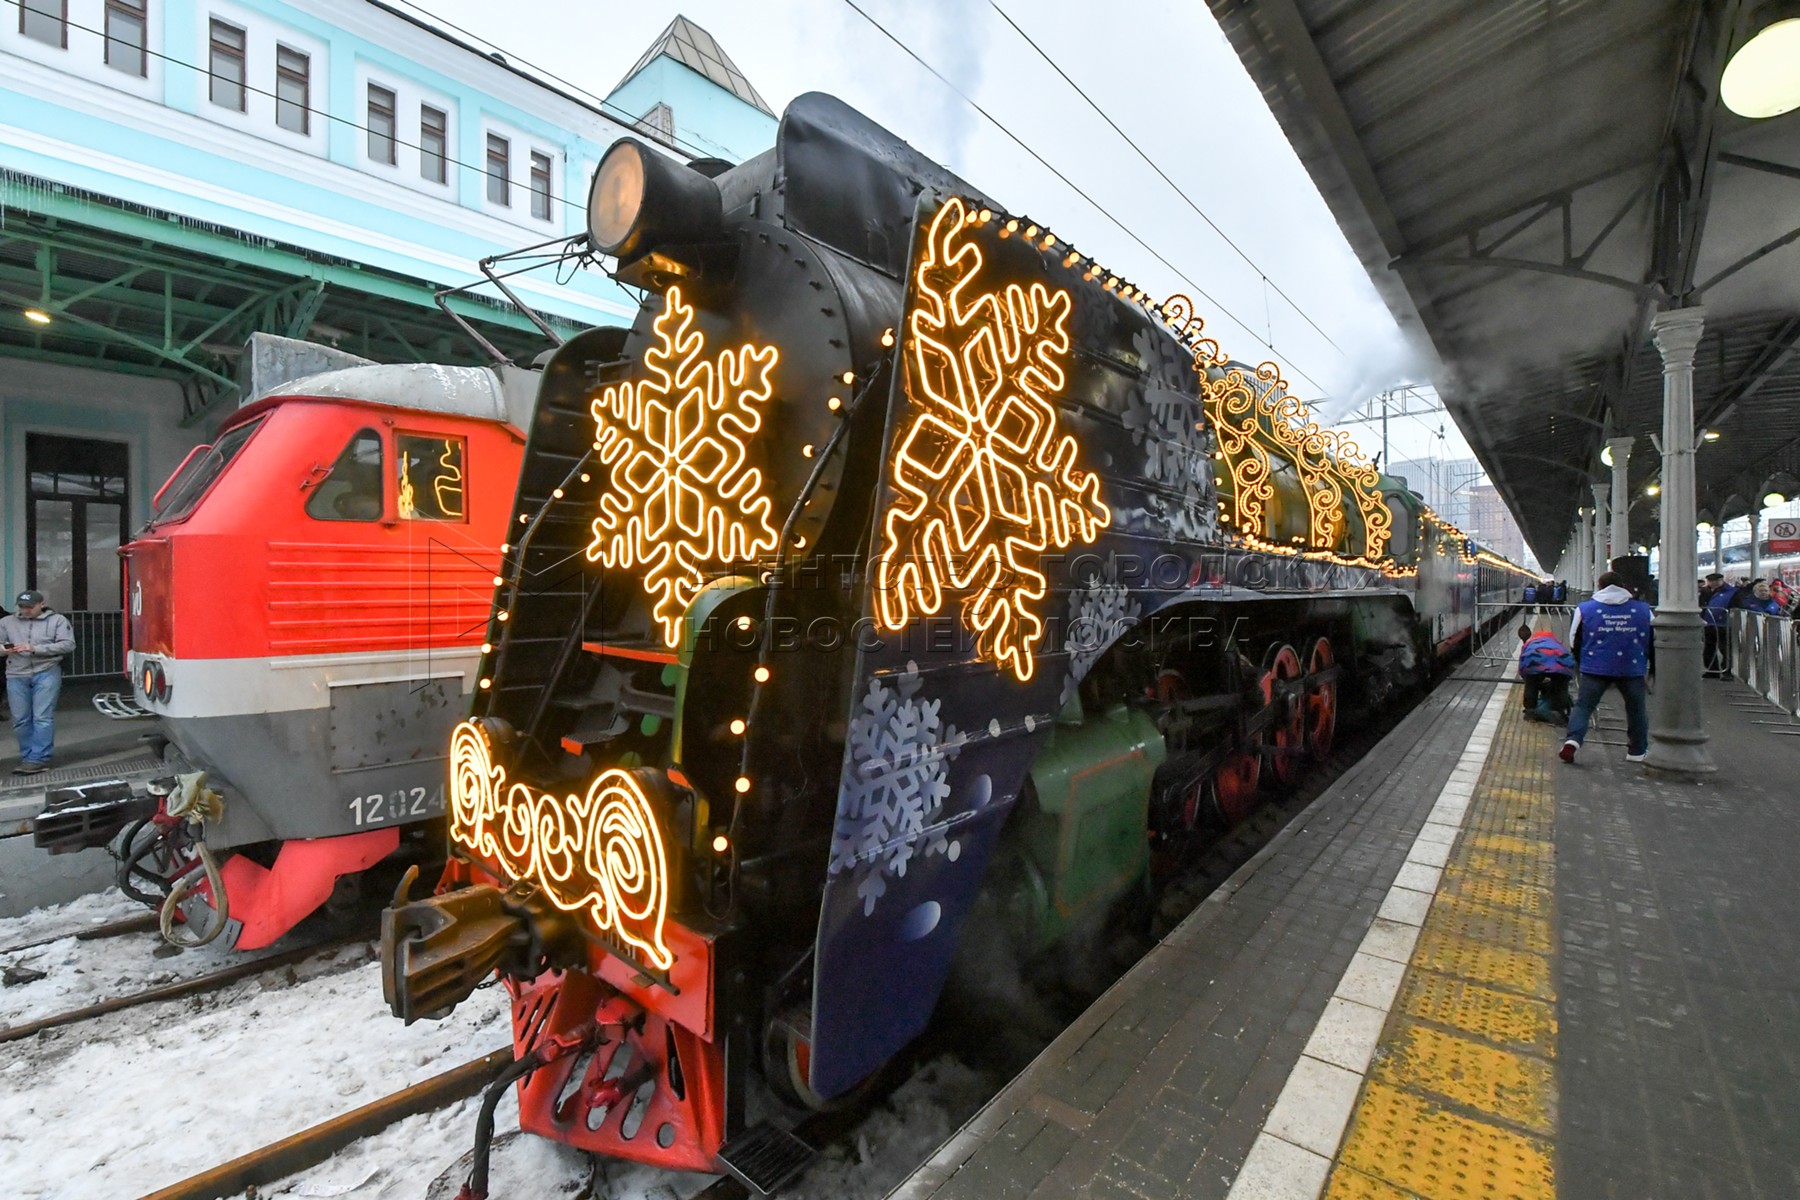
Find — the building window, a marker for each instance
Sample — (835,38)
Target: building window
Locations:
(227,68)
(125,26)
(381,124)
(499,168)
(45,21)
(540,186)
(434,143)
(293,86)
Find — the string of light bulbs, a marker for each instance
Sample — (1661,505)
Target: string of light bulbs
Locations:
(1164,176)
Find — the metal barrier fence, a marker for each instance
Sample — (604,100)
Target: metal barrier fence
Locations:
(99,645)
(1499,649)
(1766,656)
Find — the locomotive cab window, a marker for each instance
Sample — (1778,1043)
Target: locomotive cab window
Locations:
(351,490)
(430,477)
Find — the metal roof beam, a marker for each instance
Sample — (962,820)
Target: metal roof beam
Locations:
(1301,55)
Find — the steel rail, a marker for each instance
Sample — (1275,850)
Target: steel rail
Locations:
(310,1147)
(173,991)
(139,923)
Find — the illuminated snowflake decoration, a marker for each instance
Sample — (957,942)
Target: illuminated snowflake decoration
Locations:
(895,788)
(684,497)
(984,480)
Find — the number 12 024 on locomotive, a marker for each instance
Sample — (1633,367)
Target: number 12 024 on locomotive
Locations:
(401,804)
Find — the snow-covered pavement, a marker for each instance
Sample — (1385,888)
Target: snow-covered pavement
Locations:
(122,1105)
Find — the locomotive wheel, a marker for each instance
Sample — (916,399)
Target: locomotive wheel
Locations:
(787,1063)
(1288,733)
(1321,703)
(1234,785)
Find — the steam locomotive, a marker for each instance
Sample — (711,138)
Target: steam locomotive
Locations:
(920,554)
(304,615)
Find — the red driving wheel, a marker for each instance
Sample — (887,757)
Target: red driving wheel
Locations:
(1288,733)
(1234,785)
(1321,703)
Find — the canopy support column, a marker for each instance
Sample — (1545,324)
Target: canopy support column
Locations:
(1677,725)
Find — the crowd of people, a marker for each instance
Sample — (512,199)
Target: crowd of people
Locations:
(1718,597)
(1610,646)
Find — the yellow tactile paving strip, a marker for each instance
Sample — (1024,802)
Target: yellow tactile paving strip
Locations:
(1460,1102)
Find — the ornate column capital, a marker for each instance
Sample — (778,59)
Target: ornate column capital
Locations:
(1677,332)
(1621,448)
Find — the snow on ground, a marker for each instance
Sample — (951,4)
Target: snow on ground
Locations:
(404,1160)
(131,1102)
(95,908)
(79,973)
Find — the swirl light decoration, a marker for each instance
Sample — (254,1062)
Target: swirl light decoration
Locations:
(985,481)
(684,496)
(600,854)
(1254,416)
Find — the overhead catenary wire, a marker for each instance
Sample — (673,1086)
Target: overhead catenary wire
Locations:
(1074,187)
(1152,164)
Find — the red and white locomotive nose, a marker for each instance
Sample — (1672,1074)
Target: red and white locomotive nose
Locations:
(304,617)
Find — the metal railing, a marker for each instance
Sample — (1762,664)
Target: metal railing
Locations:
(99,645)
(1766,656)
(1500,649)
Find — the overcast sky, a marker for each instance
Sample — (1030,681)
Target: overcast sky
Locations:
(1160,68)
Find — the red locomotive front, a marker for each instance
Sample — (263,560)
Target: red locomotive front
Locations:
(304,615)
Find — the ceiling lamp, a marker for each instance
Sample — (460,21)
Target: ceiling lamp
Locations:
(1709,435)
(1763,77)
(1774,498)
(1606,455)
(37,316)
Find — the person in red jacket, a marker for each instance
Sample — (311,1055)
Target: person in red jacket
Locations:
(1546,666)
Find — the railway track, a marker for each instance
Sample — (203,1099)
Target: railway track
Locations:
(137,923)
(198,985)
(309,1148)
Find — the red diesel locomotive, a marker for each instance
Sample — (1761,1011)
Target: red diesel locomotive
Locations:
(305,611)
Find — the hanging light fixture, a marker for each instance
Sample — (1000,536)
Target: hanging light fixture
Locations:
(1763,78)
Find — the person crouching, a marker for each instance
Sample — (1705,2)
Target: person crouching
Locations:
(1546,666)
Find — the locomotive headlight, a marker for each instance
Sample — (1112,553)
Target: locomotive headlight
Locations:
(640,200)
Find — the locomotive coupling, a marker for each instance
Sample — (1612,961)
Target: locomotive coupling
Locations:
(438,950)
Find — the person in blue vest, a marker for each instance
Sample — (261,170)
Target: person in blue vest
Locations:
(1610,635)
(1715,613)
(1546,666)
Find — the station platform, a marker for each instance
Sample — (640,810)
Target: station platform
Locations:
(1466,971)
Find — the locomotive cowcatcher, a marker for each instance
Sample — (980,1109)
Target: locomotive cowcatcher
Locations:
(922,560)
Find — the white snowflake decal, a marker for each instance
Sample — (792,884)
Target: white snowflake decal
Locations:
(899,778)
(1170,424)
(1098,613)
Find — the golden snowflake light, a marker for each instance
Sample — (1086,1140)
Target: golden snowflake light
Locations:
(684,497)
(600,853)
(985,480)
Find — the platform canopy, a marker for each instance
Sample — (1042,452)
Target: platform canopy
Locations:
(1528,182)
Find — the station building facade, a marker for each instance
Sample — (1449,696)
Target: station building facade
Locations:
(177,174)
